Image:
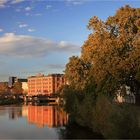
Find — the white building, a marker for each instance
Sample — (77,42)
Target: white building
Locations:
(124,95)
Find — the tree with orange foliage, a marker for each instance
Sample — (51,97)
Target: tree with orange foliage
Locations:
(112,51)
(110,60)
(17,88)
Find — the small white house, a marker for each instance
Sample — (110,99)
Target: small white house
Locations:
(124,95)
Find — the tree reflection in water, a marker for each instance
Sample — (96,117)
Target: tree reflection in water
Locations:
(40,122)
(74,131)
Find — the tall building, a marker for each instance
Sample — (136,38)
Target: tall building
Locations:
(11,81)
(45,85)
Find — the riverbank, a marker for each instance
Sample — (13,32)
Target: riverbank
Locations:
(74,131)
(10,101)
(40,122)
(103,115)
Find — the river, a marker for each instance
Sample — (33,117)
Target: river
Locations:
(39,122)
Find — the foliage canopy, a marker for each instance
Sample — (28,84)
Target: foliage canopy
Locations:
(110,59)
(110,55)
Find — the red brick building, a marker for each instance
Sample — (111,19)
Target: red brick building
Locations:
(45,85)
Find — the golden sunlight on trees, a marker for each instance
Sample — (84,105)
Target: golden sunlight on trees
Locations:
(17,88)
(3,87)
(77,72)
(109,61)
(111,52)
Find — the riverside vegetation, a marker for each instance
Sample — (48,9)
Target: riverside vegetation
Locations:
(110,59)
(11,95)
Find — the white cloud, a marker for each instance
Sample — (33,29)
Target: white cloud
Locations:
(6,3)
(1,30)
(29,46)
(3,3)
(28,8)
(75,2)
(48,6)
(55,66)
(28,14)
(23,25)
(38,14)
(18,10)
(16,1)
(31,30)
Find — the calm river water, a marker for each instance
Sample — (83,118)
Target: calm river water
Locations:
(38,122)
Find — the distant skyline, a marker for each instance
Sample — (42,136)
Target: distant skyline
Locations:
(39,36)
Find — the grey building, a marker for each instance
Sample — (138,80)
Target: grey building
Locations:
(12,80)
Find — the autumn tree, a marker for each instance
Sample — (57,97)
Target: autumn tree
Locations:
(17,88)
(110,59)
(3,87)
(111,54)
(113,49)
(77,72)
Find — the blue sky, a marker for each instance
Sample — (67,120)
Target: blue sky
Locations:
(38,36)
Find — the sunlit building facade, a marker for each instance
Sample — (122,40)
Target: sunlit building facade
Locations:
(45,85)
(25,87)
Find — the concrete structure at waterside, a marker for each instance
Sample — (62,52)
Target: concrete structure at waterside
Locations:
(45,85)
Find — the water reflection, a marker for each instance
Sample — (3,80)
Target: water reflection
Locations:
(52,116)
(15,113)
(46,115)
(39,122)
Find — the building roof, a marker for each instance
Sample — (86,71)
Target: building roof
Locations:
(21,80)
(42,75)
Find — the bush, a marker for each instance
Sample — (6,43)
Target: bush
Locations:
(115,121)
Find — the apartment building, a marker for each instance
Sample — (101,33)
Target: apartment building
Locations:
(45,85)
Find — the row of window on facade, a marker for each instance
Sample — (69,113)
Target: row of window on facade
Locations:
(46,84)
(46,79)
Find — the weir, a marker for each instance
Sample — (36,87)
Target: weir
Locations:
(41,99)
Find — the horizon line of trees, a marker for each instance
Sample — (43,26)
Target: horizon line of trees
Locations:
(15,89)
